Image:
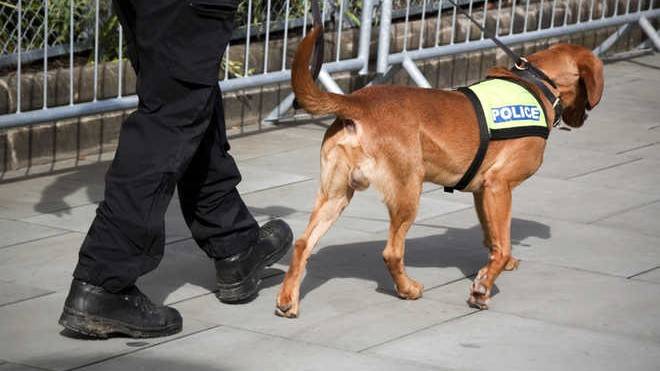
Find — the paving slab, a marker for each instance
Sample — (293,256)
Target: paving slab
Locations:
(13,232)
(649,151)
(638,176)
(77,219)
(588,247)
(16,367)
(30,335)
(570,297)
(565,162)
(80,218)
(322,301)
(496,341)
(272,142)
(46,195)
(572,201)
(643,219)
(380,323)
(305,161)
(45,264)
(11,293)
(224,348)
(256,178)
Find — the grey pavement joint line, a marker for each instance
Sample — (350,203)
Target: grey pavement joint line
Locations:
(143,348)
(55,211)
(419,330)
(577,269)
(643,272)
(321,345)
(493,309)
(26,299)
(623,211)
(277,186)
(64,232)
(8,363)
(451,282)
(639,147)
(259,157)
(603,168)
(49,226)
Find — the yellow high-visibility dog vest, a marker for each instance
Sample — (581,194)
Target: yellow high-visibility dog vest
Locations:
(505,110)
(509,109)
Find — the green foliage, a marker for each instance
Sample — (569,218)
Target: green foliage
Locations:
(59,13)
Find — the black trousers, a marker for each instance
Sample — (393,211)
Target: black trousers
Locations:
(176,138)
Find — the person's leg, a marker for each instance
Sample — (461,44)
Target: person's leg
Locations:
(220,221)
(156,144)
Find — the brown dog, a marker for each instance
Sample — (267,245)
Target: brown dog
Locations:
(395,138)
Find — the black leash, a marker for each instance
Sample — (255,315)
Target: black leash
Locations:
(317,61)
(522,67)
(318,47)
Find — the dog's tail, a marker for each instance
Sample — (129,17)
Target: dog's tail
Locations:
(308,95)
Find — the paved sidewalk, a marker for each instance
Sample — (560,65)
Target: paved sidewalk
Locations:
(586,296)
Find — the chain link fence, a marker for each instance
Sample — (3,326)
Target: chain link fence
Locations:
(36,16)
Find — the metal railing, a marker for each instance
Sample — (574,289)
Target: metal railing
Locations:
(529,21)
(431,29)
(238,74)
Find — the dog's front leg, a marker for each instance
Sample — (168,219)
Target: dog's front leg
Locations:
(513,262)
(493,205)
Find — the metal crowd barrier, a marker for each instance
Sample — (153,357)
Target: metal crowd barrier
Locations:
(547,27)
(430,45)
(228,84)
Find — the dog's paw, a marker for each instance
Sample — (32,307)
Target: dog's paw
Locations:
(512,264)
(479,294)
(286,306)
(412,291)
(478,301)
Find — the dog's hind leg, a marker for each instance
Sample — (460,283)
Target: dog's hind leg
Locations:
(495,215)
(402,205)
(333,196)
(513,262)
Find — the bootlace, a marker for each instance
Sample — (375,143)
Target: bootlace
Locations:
(140,300)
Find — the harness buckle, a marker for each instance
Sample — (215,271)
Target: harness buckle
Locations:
(521,64)
(554,105)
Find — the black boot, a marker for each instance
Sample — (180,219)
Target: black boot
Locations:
(239,275)
(92,311)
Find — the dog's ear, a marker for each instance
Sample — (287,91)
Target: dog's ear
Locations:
(591,73)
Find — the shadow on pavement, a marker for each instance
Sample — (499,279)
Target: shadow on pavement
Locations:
(451,248)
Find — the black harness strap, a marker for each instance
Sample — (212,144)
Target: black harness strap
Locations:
(530,76)
(484,139)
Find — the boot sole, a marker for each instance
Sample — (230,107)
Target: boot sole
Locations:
(102,328)
(247,289)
